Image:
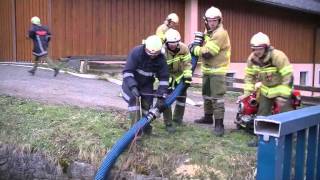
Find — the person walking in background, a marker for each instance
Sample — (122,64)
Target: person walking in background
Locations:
(41,37)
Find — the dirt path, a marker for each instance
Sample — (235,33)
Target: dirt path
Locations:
(66,89)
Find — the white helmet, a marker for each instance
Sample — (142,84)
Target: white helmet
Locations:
(173,17)
(172,36)
(153,44)
(260,40)
(35,20)
(213,13)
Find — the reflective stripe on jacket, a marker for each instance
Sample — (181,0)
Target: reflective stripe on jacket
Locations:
(274,72)
(179,64)
(215,52)
(141,71)
(41,37)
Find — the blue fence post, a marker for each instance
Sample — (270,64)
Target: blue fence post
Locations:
(300,154)
(318,159)
(287,157)
(312,145)
(270,158)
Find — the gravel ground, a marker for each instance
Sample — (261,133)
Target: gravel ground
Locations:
(66,89)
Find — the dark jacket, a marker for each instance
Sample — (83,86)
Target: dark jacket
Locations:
(140,71)
(41,37)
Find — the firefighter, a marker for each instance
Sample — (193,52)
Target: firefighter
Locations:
(179,63)
(144,63)
(271,70)
(214,52)
(171,21)
(41,37)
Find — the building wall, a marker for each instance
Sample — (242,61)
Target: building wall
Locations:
(290,31)
(84,27)
(6,30)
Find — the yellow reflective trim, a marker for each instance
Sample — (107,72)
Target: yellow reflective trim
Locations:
(272,92)
(170,61)
(268,70)
(206,38)
(213,47)
(187,57)
(286,70)
(228,54)
(220,70)
(250,71)
(187,73)
(179,78)
(196,50)
(248,87)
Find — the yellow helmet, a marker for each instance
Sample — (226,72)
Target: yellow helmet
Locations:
(213,13)
(172,36)
(260,40)
(153,45)
(35,20)
(173,17)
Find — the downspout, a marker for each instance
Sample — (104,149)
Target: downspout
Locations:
(316,37)
(14,34)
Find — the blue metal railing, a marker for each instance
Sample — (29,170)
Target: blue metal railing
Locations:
(283,135)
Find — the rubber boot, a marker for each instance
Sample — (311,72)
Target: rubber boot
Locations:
(56,72)
(218,127)
(147,130)
(207,119)
(178,114)
(178,122)
(170,128)
(32,71)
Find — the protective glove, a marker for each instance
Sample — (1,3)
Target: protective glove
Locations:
(257,86)
(198,38)
(135,92)
(160,104)
(192,46)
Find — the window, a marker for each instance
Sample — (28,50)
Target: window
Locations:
(303,78)
(229,81)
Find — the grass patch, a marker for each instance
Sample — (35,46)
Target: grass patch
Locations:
(67,133)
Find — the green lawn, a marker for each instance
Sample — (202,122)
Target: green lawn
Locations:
(66,133)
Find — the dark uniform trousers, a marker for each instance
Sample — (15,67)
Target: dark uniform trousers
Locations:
(213,90)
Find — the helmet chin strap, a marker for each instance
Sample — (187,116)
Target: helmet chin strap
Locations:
(176,50)
(209,30)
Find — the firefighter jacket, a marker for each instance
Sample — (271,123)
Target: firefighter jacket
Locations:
(179,63)
(215,52)
(274,71)
(41,37)
(161,31)
(140,70)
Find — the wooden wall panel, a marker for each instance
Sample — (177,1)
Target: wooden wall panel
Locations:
(6,31)
(107,27)
(290,31)
(25,10)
